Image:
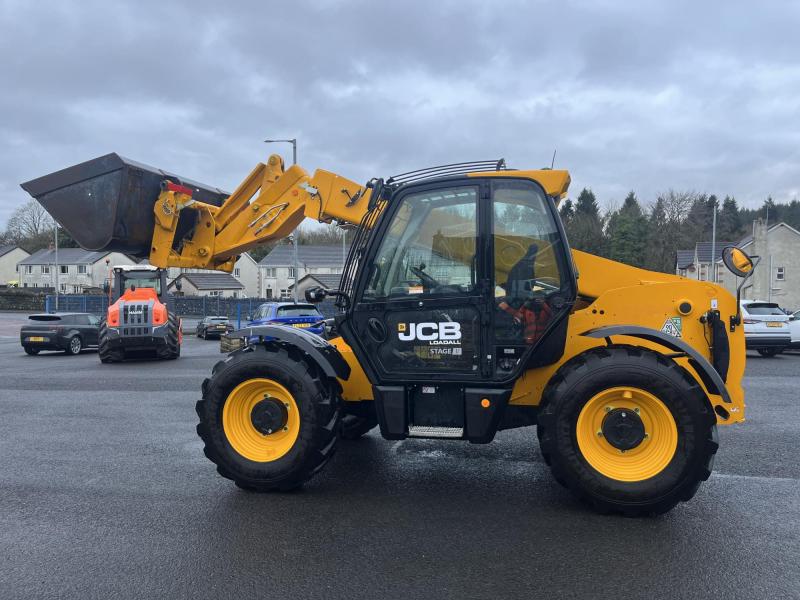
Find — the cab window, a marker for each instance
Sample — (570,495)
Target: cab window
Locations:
(429,248)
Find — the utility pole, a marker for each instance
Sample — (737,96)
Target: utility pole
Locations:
(56,266)
(714,244)
(293,237)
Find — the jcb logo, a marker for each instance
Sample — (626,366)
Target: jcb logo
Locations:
(428,332)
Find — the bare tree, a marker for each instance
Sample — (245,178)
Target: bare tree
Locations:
(29,224)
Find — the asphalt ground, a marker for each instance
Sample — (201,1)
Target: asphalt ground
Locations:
(105,493)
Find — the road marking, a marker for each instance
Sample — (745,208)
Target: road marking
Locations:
(753,477)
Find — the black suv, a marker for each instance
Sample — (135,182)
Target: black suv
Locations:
(70,332)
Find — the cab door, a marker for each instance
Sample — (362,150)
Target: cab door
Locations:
(421,311)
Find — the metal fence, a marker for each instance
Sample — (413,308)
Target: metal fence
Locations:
(237,309)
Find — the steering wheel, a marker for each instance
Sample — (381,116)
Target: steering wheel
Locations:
(427,280)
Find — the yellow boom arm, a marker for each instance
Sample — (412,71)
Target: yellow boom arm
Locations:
(268,205)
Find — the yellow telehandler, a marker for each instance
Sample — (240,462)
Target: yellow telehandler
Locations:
(462,311)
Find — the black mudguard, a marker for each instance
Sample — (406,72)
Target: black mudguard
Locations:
(707,373)
(320,350)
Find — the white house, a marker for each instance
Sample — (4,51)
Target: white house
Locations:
(278,268)
(246,271)
(777,275)
(78,269)
(10,256)
(696,263)
(327,282)
(208,283)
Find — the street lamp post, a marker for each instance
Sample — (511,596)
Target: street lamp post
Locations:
(292,141)
(57,267)
(293,237)
(714,244)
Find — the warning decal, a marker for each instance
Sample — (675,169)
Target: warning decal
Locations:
(673,326)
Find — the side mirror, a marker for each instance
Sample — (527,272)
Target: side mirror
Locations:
(315,295)
(737,261)
(740,264)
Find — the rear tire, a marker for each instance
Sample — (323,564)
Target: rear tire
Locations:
(768,352)
(664,468)
(74,346)
(30,351)
(104,350)
(259,461)
(171,349)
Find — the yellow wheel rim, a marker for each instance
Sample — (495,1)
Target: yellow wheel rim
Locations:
(238,424)
(649,457)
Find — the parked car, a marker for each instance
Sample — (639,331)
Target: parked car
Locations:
(794,330)
(304,316)
(766,327)
(213,327)
(70,332)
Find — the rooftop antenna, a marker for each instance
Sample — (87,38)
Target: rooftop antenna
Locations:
(553,162)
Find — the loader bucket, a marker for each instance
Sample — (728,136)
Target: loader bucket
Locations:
(106,204)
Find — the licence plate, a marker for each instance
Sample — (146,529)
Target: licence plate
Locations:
(303,325)
(37,338)
(774,324)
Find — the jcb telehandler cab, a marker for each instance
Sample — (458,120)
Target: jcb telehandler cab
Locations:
(138,320)
(462,312)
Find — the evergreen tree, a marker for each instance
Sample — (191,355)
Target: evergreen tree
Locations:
(585,228)
(627,233)
(729,223)
(566,211)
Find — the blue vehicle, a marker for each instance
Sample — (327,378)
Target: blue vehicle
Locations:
(303,316)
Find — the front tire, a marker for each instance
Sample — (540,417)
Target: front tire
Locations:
(30,351)
(768,352)
(104,350)
(268,418)
(627,430)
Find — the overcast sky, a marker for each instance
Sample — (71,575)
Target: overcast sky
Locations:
(634,95)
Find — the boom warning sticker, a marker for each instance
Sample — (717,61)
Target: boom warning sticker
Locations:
(673,326)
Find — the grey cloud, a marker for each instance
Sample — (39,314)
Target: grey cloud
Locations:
(660,95)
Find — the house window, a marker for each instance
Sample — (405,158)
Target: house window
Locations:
(269,292)
(703,272)
(682,272)
(270,272)
(284,293)
(64,269)
(24,285)
(235,294)
(35,285)
(81,269)
(63,288)
(236,272)
(780,274)
(28,269)
(76,289)
(291,271)
(45,269)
